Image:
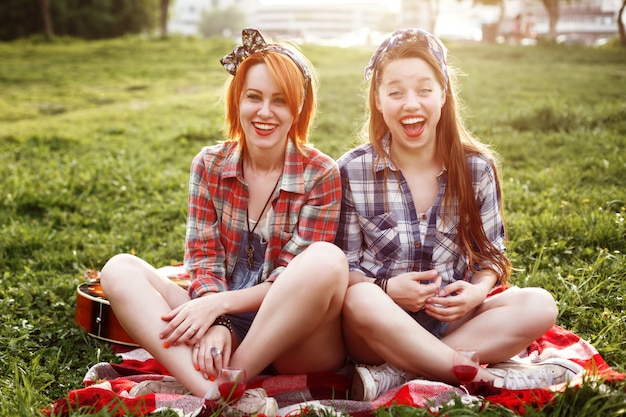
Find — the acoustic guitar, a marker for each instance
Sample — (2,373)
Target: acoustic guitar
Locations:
(94,312)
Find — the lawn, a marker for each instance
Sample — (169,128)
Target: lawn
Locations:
(96,139)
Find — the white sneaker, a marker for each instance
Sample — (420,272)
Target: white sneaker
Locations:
(165,386)
(255,401)
(213,394)
(515,375)
(370,381)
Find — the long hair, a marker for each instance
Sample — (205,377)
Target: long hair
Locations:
(292,85)
(454,143)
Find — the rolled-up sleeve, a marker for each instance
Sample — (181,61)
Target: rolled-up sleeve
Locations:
(204,253)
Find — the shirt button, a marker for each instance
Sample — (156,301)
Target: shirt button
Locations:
(423,216)
(418,244)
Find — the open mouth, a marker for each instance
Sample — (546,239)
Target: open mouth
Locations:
(264,129)
(413,126)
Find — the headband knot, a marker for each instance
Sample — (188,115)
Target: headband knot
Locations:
(253,42)
(419,36)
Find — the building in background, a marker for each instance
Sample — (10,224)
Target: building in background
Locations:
(583,21)
(312,21)
(185,15)
(337,22)
(361,22)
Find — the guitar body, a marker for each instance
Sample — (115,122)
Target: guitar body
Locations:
(95,315)
(94,312)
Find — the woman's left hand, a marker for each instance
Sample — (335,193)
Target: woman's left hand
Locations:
(455,301)
(212,352)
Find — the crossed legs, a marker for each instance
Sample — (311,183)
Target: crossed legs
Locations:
(377,330)
(139,297)
(297,328)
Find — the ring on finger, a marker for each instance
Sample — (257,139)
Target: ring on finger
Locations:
(215,352)
(196,346)
(193,328)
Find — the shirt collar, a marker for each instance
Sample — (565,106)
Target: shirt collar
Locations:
(383,162)
(231,164)
(293,167)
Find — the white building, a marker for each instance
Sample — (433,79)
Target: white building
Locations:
(185,15)
(589,18)
(311,20)
(340,22)
(357,22)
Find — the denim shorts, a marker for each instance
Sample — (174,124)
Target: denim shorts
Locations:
(434,326)
(245,276)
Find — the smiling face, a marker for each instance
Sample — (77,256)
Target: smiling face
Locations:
(410,99)
(264,114)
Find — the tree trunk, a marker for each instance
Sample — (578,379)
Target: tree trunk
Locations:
(44,5)
(552,7)
(620,25)
(433,6)
(502,15)
(165,4)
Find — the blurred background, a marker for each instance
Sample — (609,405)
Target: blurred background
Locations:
(328,22)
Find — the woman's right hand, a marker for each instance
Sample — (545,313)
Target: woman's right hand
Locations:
(187,323)
(411,290)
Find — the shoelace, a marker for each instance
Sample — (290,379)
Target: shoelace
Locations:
(539,378)
(387,377)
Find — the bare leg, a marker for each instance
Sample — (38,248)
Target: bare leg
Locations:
(387,334)
(298,326)
(505,324)
(139,297)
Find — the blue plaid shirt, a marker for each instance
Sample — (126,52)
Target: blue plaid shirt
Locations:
(382,238)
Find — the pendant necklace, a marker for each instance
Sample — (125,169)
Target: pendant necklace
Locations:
(249,247)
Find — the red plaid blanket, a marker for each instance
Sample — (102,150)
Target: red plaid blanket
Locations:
(107,385)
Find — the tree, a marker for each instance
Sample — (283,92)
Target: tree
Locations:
(433,12)
(19,18)
(620,25)
(552,7)
(44,5)
(495,29)
(220,22)
(419,13)
(165,5)
(90,19)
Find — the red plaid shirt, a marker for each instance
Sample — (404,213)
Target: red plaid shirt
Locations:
(306,210)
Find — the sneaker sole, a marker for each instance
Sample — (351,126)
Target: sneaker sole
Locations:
(258,403)
(573,367)
(268,409)
(271,408)
(360,380)
(158,387)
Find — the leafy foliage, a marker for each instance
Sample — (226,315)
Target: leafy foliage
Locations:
(88,19)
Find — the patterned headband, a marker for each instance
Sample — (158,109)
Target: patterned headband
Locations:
(421,37)
(252,42)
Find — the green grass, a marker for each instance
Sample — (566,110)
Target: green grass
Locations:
(96,141)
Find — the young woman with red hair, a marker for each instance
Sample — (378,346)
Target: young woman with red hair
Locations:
(267,282)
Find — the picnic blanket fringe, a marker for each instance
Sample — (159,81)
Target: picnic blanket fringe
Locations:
(107,386)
